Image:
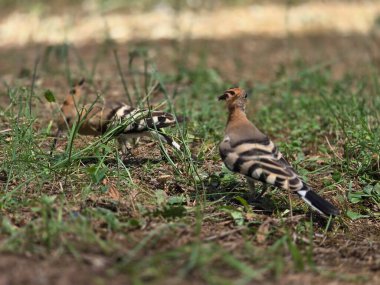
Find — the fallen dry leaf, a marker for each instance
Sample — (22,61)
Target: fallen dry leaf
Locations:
(164,178)
(262,231)
(250,216)
(112,192)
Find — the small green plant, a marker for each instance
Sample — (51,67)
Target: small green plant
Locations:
(183,215)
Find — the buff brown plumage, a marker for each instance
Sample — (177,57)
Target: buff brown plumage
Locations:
(96,119)
(246,150)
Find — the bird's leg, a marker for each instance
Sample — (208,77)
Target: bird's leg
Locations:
(124,146)
(290,204)
(251,185)
(265,188)
(135,141)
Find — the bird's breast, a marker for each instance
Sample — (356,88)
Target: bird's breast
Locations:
(228,156)
(230,160)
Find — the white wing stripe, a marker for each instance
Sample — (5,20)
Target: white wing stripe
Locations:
(250,146)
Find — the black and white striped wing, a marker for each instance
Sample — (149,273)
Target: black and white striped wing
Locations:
(142,120)
(261,161)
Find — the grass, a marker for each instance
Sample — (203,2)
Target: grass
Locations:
(186,217)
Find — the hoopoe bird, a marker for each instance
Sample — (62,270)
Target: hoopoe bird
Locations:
(96,119)
(246,150)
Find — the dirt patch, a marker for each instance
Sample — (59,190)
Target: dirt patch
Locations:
(346,260)
(351,256)
(258,60)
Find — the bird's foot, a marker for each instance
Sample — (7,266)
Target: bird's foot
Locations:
(262,192)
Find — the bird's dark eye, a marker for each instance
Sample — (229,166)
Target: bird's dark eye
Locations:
(245,95)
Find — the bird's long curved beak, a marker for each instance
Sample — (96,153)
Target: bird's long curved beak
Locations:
(222,97)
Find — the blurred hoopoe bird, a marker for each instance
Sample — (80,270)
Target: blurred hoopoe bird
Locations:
(246,150)
(96,119)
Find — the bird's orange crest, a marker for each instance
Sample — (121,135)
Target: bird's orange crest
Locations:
(234,92)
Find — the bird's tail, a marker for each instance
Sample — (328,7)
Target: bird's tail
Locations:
(317,202)
(160,120)
(167,139)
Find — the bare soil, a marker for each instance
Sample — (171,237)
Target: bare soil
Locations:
(254,59)
(355,253)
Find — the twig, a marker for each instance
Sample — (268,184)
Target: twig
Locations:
(291,219)
(224,234)
(331,148)
(5,131)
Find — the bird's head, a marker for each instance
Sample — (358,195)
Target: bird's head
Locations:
(69,107)
(235,97)
(75,94)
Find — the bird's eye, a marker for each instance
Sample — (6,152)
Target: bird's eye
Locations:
(245,95)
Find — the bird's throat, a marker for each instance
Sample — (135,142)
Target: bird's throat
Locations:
(236,114)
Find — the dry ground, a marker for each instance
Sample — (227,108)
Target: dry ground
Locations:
(349,255)
(354,252)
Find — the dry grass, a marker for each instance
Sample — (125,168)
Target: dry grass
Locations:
(99,219)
